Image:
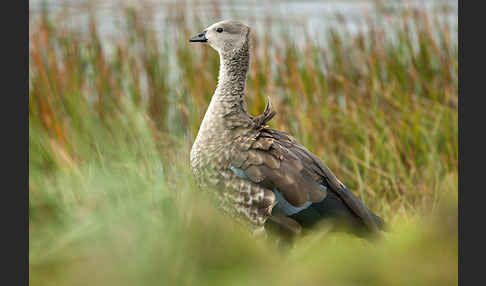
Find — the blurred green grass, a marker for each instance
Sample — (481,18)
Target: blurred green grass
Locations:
(111,198)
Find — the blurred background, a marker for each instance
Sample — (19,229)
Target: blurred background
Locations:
(116,96)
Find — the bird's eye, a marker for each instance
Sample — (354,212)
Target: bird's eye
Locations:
(219,30)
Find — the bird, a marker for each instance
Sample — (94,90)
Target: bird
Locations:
(262,177)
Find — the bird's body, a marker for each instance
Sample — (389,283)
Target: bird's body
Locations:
(259,173)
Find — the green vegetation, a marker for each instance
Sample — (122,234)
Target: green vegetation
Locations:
(111,197)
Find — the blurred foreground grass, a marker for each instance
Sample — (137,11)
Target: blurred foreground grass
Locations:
(111,198)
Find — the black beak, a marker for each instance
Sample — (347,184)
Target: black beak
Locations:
(199,38)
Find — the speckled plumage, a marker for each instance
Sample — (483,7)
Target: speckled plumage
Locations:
(251,167)
(226,129)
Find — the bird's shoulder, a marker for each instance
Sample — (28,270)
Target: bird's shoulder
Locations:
(276,160)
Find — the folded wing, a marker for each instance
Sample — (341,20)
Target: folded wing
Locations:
(278,162)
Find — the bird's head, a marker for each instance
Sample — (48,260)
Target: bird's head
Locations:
(225,36)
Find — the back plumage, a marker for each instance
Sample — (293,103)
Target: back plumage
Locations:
(307,192)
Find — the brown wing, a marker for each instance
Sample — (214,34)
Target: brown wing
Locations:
(274,159)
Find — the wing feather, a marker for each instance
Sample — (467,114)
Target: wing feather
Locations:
(277,160)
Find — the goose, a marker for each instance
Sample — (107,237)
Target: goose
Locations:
(262,176)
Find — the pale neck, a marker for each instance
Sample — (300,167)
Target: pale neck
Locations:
(233,68)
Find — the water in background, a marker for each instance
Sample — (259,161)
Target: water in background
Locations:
(304,20)
(314,17)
